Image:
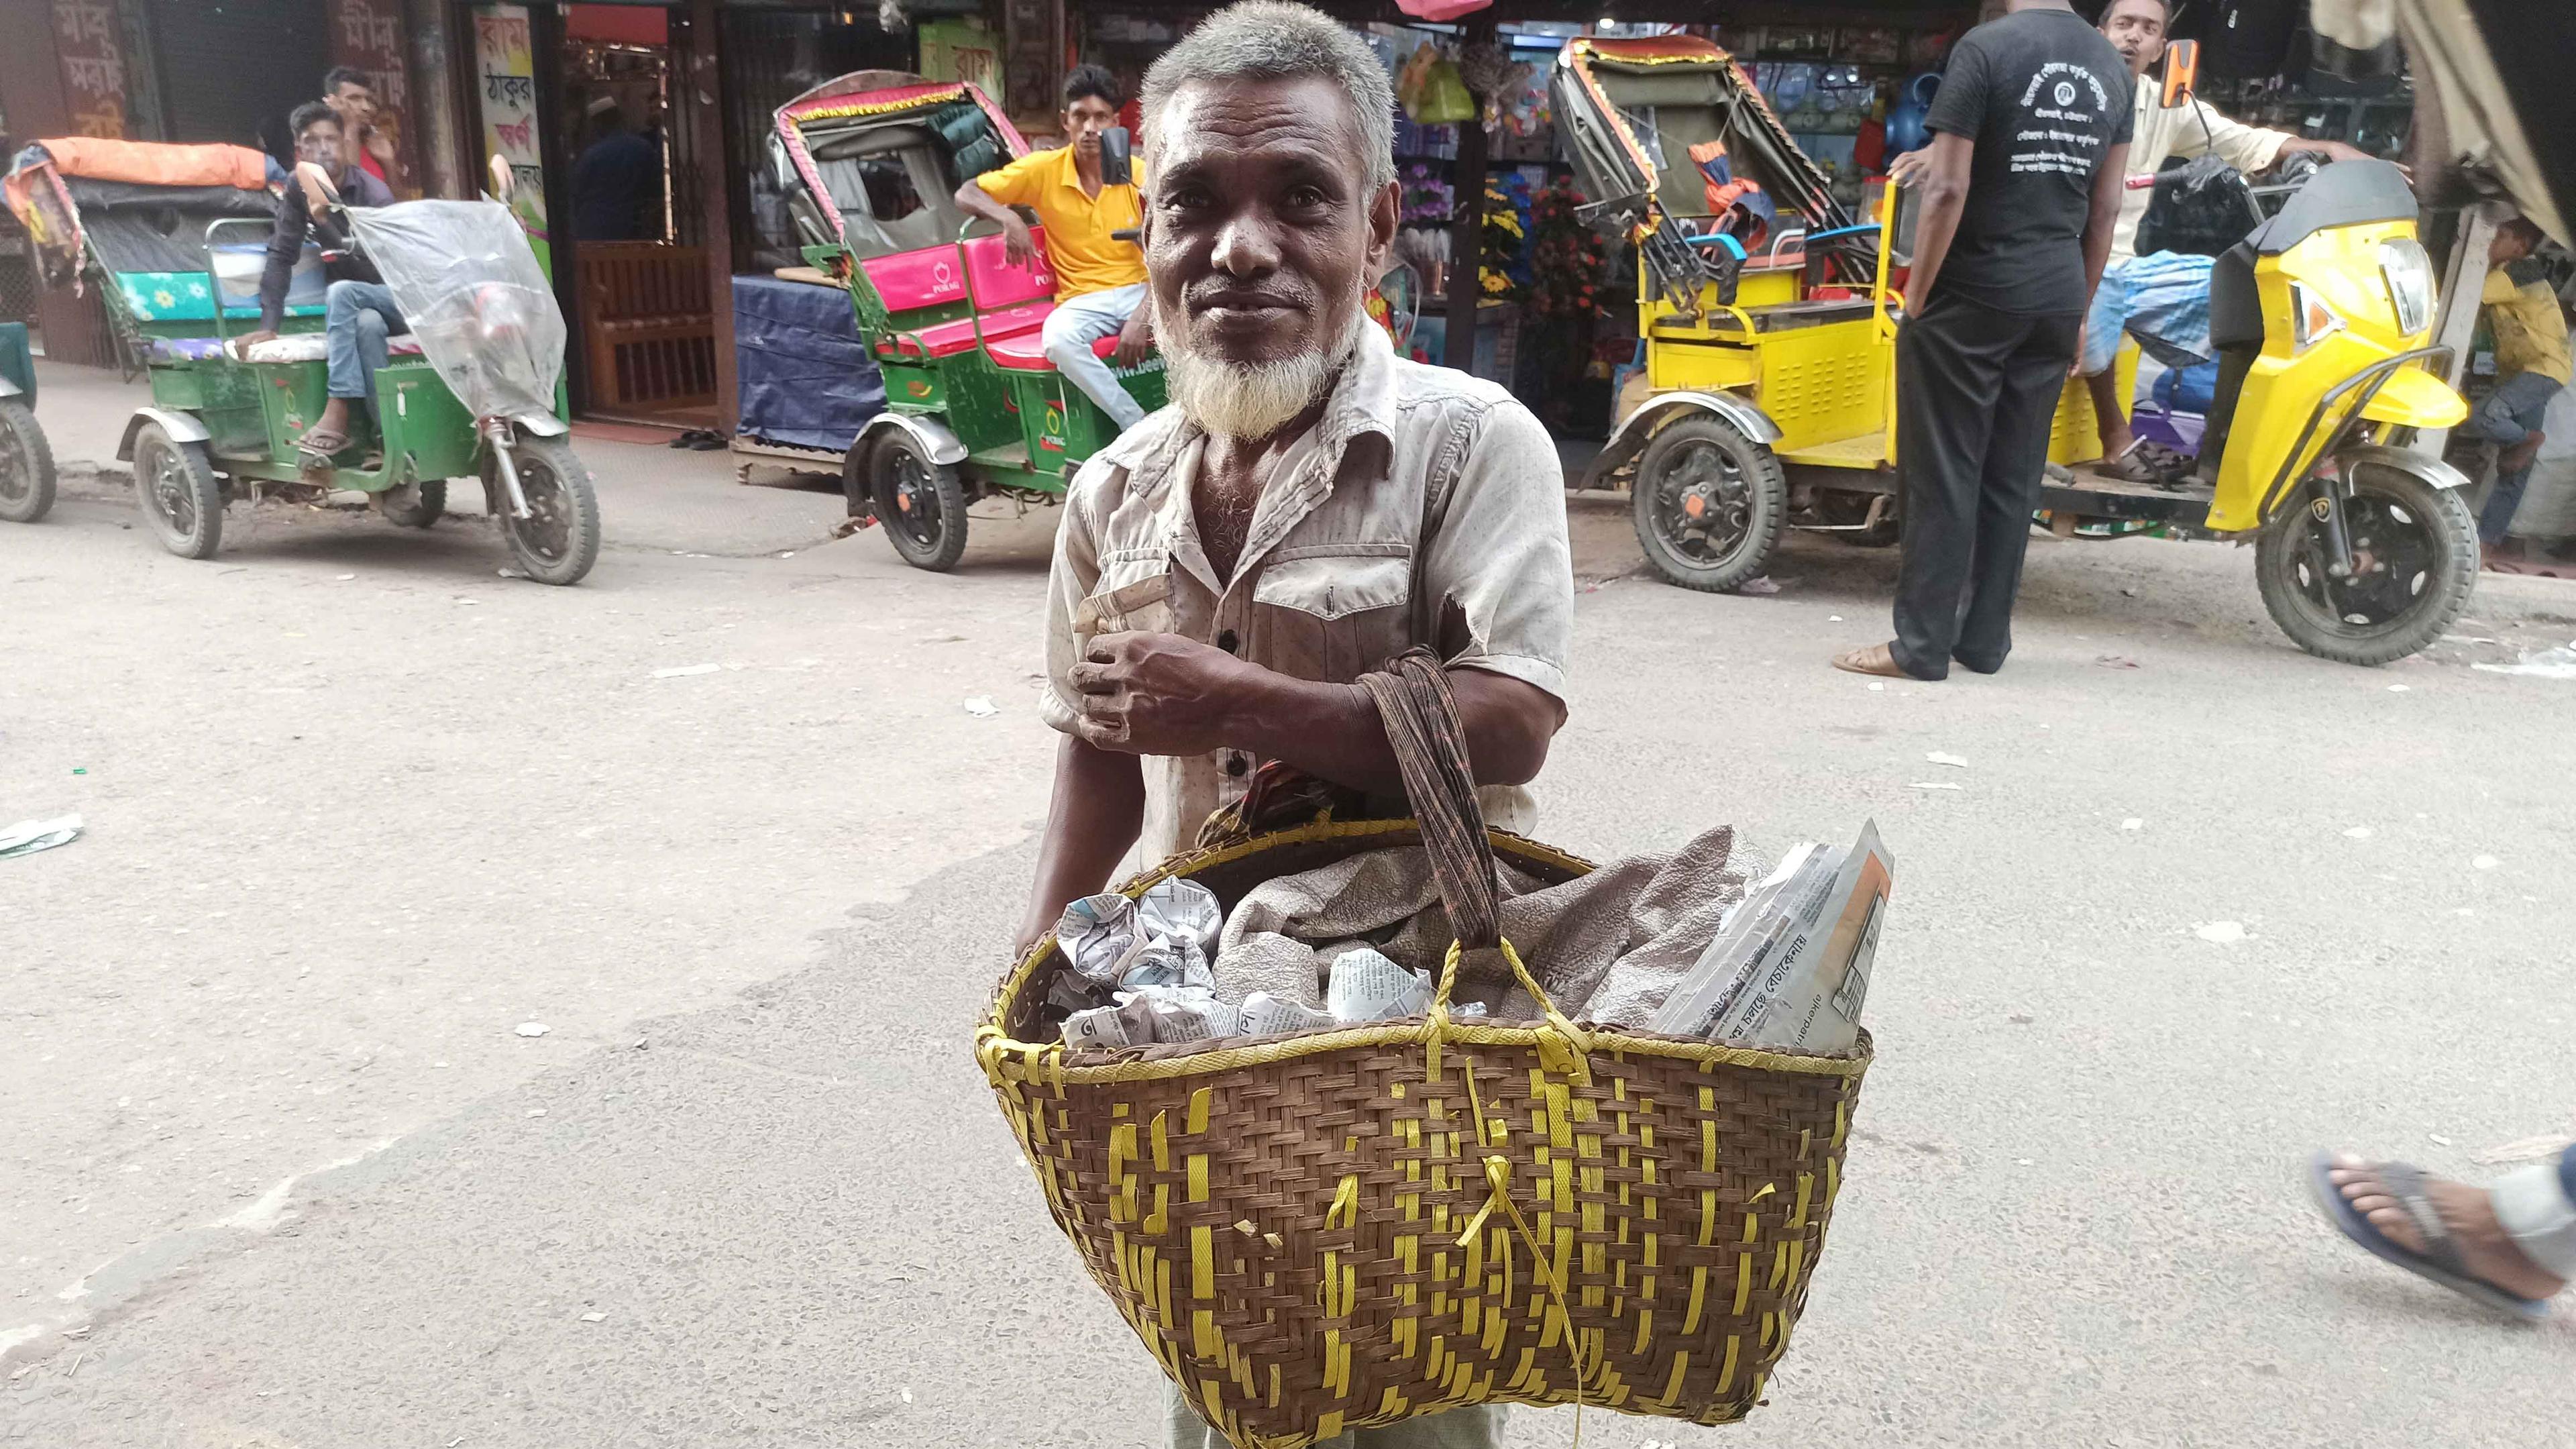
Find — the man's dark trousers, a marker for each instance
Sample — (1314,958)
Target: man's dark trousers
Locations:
(1976,392)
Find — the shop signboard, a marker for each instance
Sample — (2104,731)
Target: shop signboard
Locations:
(508,96)
(961,50)
(89,43)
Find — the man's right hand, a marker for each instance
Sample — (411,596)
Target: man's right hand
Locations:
(1018,246)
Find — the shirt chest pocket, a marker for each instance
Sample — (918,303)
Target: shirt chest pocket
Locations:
(1133,597)
(1336,615)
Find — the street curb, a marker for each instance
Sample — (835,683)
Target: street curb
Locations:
(2524,596)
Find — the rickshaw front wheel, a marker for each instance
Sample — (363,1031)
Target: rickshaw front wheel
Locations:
(1709,503)
(559,539)
(179,491)
(26,465)
(920,503)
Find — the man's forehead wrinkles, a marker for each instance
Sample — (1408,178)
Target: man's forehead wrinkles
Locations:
(1289,140)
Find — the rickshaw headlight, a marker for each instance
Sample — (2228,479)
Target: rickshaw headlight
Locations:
(2409,273)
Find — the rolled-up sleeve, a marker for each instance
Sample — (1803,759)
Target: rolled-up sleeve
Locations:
(1498,557)
(1075,574)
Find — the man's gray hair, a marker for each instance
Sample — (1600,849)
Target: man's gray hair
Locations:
(1276,40)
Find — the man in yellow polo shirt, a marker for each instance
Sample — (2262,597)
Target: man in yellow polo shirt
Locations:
(1099,280)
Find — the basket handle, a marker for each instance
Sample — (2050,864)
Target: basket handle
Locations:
(1430,744)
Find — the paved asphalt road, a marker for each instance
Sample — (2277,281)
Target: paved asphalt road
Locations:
(277,1168)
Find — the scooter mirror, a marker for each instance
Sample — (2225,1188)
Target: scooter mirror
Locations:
(501,180)
(1116,166)
(2182,70)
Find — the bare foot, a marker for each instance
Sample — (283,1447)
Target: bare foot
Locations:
(1877,659)
(2485,1251)
(2116,443)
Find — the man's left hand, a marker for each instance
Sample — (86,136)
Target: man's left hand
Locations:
(1135,340)
(1157,694)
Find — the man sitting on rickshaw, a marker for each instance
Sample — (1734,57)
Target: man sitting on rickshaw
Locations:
(360,313)
(1100,280)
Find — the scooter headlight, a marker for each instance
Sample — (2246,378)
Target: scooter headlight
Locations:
(2311,320)
(2409,273)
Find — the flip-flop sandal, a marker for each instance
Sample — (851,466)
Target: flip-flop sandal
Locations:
(1859,661)
(2440,1260)
(2133,466)
(317,447)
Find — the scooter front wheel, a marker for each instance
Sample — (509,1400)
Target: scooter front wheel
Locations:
(26,465)
(559,539)
(2415,554)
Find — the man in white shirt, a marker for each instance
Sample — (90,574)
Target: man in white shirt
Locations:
(2162,299)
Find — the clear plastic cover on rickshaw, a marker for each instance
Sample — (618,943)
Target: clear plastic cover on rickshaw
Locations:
(462,275)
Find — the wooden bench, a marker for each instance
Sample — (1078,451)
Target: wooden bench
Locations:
(648,326)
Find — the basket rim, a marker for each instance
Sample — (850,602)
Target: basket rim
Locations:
(1053,1062)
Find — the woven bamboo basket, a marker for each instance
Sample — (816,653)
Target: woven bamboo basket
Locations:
(1352,1227)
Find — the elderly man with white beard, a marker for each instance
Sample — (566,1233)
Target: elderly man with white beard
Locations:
(1309,505)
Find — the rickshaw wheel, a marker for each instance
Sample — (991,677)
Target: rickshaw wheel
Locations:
(2418,547)
(1709,503)
(180,493)
(26,465)
(920,503)
(559,542)
(418,504)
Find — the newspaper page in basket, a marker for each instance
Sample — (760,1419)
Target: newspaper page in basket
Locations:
(1796,974)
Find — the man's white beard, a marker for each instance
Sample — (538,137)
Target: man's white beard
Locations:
(1248,399)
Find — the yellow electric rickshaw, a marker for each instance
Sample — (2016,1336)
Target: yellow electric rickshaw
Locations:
(1768,395)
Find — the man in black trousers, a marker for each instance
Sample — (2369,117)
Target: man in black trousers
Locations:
(2019,196)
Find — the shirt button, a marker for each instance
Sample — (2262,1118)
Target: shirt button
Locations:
(1226,641)
(1237,765)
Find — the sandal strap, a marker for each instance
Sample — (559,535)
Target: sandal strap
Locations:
(2404,1181)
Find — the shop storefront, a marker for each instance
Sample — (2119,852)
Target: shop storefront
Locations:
(1489,209)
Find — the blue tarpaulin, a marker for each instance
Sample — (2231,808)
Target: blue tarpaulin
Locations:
(806,380)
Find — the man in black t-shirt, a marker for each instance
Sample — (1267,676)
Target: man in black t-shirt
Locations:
(2019,197)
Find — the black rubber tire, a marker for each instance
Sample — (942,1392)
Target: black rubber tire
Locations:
(424,510)
(1764,493)
(181,497)
(925,521)
(2285,570)
(561,542)
(26,465)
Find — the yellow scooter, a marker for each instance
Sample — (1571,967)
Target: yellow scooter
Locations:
(2322,318)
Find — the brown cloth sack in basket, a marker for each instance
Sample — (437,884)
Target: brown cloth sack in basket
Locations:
(1351,1227)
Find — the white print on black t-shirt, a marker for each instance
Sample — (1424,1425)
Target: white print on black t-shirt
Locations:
(2058,79)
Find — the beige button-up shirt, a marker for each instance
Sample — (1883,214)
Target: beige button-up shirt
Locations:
(2188,130)
(1429,508)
